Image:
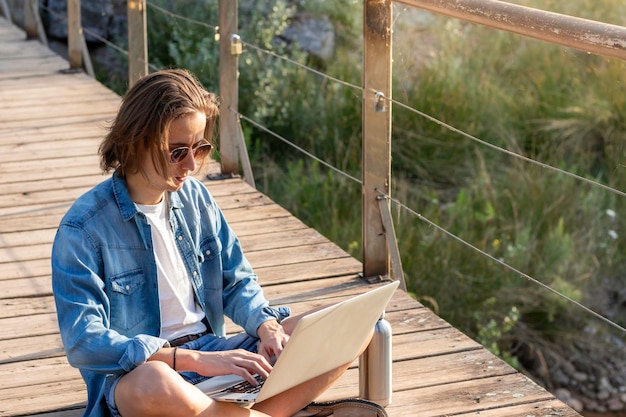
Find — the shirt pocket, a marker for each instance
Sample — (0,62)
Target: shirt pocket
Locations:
(128,300)
(209,258)
(210,248)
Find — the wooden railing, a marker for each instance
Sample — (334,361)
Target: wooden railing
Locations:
(378,245)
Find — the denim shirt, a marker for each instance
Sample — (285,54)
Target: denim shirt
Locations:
(104,279)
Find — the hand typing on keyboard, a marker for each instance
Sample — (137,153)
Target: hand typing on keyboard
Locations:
(228,362)
(273,340)
(245,387)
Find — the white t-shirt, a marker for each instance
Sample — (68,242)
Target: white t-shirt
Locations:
(180,313)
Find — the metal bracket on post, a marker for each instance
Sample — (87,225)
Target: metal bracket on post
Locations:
(86,57)
(6,11)
(379,102)
(244,159)
(392,242)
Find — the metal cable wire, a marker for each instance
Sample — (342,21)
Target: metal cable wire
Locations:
(184,18)
(293,145)
(505,151)
(498,261)
(298,64)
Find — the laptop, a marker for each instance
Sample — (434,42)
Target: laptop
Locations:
(321,341)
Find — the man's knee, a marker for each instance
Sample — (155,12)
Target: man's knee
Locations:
(153,382)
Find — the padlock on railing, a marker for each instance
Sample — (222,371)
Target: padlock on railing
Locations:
(236,48)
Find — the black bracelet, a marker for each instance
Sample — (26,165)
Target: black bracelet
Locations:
(174,360)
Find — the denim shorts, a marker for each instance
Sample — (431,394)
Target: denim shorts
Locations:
(206,343)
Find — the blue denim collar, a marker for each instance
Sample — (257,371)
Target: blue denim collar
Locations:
(127,207)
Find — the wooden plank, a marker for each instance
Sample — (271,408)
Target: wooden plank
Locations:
(47,84)
(25,253)
(77,412)
(59,395)
(47,89)
(249,227)
(53,132)
(23,349)
(311,270)
(77,116)
(59,145)
(29,237)
(41,65)
(28,326)
(285,256)
(20,111)
(282,239)
(468,397)
(32,222)
(27,287)
(37,372)
(547,408)
(247,201)
(43,166)
(52,183)
(40,197)
(32,179)
(253,216)
(20,117)
(424,372)
(26,269)
(15,307)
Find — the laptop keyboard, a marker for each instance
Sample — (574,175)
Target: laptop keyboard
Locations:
(244,387)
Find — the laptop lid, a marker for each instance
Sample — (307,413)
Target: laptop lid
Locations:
(324,340)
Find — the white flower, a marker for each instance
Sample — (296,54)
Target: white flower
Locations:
(613,234)
(610,213)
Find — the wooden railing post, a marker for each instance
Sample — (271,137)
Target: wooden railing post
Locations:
(137,40)
(32,22)
(376,132)
(228,87)
(74,34)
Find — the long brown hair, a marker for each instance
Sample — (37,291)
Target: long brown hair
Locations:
(147,110)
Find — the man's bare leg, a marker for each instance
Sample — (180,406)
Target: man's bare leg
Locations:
(154,389)
(295,399)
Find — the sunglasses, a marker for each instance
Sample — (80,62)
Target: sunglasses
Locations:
(199,151)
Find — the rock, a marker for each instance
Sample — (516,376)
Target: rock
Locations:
(95,17)
(615,403)
(575,404)
(314,35)
(580,376)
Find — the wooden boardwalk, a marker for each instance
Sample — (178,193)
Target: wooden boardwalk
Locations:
(51,123)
